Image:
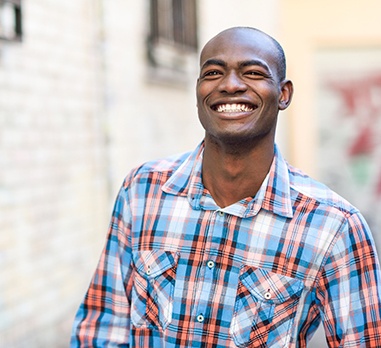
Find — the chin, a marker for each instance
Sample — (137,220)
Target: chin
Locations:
(240,140)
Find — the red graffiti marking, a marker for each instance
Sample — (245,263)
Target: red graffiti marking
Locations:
(360,99)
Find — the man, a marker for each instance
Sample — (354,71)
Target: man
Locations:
(229,246)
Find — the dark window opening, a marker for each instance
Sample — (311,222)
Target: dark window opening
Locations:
(10,20)
(173,32)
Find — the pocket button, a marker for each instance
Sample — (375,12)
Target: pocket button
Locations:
(200,318)
(268,295)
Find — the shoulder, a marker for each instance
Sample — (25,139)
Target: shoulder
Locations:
(305,185)
(161,169)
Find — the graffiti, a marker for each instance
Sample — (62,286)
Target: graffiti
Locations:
(359,102)
(349,117)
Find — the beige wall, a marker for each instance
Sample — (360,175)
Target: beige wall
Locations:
(305,27)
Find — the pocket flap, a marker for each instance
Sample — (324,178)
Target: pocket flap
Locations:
(152,263)
(270,287)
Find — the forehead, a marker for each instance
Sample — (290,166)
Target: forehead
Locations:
(239,45)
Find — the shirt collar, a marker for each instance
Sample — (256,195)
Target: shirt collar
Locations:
(273,196)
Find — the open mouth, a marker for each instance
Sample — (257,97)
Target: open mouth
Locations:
(235,107)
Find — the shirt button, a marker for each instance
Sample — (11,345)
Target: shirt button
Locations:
(210,264)
(148,271)
(200,318)
(267,295)
(221,213)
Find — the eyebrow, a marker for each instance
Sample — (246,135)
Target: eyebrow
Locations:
(256,62)
(213,61)
(242,64)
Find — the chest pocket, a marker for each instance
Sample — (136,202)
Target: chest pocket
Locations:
(153,288)
(265,308)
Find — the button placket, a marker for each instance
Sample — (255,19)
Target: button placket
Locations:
(214,230)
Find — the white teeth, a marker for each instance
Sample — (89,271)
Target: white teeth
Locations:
(234,108)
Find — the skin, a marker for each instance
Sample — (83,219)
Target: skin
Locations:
(239,65)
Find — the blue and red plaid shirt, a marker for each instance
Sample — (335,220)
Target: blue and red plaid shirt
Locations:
(179,271)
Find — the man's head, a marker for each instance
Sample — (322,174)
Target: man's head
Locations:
(242,86)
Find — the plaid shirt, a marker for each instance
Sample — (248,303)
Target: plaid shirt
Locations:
(178,271)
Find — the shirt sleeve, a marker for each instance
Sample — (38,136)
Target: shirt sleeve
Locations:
(103,318)
(349,288)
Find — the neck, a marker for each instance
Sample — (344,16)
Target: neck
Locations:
(232,173)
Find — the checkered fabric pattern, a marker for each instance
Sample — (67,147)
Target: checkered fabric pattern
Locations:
(178,271)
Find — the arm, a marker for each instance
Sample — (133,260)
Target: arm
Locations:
(349,289)
(103,319)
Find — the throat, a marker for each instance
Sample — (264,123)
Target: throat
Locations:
(232,177)
(229,187)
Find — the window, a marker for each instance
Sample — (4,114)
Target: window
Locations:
(173,34)
(10,20)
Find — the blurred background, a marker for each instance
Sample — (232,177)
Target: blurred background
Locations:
(91,88)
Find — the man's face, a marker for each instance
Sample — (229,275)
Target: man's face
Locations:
(238,90)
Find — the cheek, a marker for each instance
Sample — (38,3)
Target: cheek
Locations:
(198,97)
(271,98)
(203,90)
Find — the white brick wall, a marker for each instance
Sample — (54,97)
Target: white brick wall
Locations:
(78,110)
(53,200)
(147,119)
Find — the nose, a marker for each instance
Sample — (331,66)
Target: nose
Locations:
(232,83)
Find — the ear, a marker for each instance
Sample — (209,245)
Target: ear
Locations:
(286,92)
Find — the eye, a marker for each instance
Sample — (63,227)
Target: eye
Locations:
(211,74)
(255,73)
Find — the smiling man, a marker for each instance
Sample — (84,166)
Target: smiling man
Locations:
(229,246)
